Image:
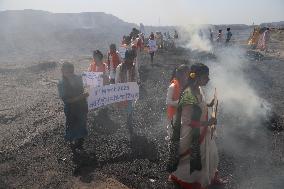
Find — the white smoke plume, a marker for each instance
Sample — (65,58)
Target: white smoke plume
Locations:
(236,95)
(196,37)
(242,138)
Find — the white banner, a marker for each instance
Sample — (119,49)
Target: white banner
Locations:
(92,79)
(108,94)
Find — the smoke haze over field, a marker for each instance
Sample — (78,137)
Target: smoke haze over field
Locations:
(235,93)
(196,37)
(32,116)
(241,131)
(227,74)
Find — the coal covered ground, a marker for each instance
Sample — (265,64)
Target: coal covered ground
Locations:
(33,153)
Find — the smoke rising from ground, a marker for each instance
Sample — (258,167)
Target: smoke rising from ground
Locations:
(251,149)
(196,37)
(236,95)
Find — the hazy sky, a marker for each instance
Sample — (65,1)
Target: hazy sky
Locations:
(165,12)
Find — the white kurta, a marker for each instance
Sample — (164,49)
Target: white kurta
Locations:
(152,45)
(118,79)
(112,70)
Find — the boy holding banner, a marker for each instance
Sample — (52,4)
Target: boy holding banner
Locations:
(127,71)
(72,93)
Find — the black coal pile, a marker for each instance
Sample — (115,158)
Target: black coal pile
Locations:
(42,67)
(33,153)
(254,55)
(274,122)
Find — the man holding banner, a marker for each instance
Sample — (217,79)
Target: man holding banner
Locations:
(109,94)
(127,71)
(123,92)
(72,93)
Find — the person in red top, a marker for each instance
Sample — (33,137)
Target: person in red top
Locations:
(113,61)
(178,82)
(98,65)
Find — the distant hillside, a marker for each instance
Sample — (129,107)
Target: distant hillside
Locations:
(273,24)
(40,35)
(232,26)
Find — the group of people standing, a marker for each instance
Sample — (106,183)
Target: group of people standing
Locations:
(193,158)
(195,161)
(260,38)
(121,66)
(220,38)
(122,63)
(117,69)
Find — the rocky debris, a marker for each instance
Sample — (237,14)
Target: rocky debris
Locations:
(6,119)
(98,183)
(42,67)
(33,153)
(275,122)
(254,55)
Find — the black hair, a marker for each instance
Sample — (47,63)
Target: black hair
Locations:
(179,70)
(228,29)
(112,46)
(220,31)
(198,69)
(127,40)
(98,54)
(129,54)
(68,65)
(261,30)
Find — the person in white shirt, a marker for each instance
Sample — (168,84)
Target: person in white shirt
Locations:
(113,61)
(127,70)
(152,45)
(220,37)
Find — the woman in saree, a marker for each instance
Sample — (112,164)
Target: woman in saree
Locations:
(264,40)
(197,152)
